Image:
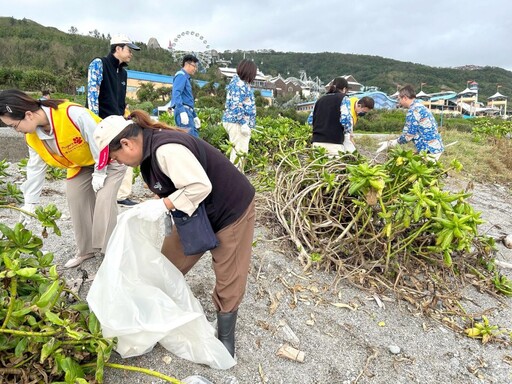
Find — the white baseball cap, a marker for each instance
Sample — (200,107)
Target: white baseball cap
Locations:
(123,39)
(105,132)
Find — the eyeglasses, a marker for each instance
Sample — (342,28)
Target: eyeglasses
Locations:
(193,64)
(15,126)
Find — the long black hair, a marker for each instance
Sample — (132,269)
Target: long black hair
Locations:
(337,85)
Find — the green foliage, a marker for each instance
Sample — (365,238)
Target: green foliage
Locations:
(491,129)
(215,134)
(166,118)
(9,192)
(271,137)
(28,46)
(383,225)
(40,333)
(145,106)
(54,173)
(382,121)
(38,326)
(209,116)
(45,329)
(36,80)
(483,330)
(503,284)
(456,123)
(147,92)
(211,129)
(210,102)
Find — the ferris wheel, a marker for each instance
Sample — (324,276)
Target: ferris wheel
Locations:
(190,42)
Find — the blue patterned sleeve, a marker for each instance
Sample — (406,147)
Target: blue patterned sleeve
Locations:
(310,117)
(249,107)
(410,129)
(346,116)
(94,79)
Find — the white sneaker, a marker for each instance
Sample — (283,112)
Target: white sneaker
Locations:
(77,260)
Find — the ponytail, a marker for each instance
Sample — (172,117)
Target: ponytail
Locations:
(143,120)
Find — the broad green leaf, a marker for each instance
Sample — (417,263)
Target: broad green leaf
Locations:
(26,272)
(48,348)
(21,347)
(47,296)
(54,318)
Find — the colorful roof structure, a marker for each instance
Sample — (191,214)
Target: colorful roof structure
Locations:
(382,101)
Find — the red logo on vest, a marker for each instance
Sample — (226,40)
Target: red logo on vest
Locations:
(77,140)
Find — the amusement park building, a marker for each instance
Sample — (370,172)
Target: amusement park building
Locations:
(464,103)
(284,87)
(260,83)
(137,78)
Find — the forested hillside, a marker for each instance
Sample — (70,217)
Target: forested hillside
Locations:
(379,71)
(29,48)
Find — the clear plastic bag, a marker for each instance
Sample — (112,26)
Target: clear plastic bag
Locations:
(141,298)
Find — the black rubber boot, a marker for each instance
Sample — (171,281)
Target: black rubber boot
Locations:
(226,322)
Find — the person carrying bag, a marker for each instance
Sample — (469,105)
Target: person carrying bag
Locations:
(170,164)
(196,232)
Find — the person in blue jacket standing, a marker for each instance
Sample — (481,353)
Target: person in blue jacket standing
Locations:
(182,100)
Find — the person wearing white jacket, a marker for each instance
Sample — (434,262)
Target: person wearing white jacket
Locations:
(60,134)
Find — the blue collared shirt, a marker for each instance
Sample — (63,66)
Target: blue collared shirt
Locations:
(181,92)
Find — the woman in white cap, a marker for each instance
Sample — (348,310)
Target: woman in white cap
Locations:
(60,134)
(185,171)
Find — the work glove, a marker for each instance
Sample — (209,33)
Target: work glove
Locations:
(245,130)
(98,181)
(184,118)
(30,208)
(348,143)
(150,210)
(386,144)
(197,122)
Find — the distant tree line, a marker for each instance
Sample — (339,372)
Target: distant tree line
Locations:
(62,59)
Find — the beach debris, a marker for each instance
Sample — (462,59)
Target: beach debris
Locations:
(394,349)
(507,240)
(288,334)
(288,352)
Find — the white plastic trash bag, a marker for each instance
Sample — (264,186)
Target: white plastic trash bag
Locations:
(141,298)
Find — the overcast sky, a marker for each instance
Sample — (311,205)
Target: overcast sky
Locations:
(441,33)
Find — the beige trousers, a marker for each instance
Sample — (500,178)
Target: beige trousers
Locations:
(126,186)
(240,144)
(93,215)
(231,260)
